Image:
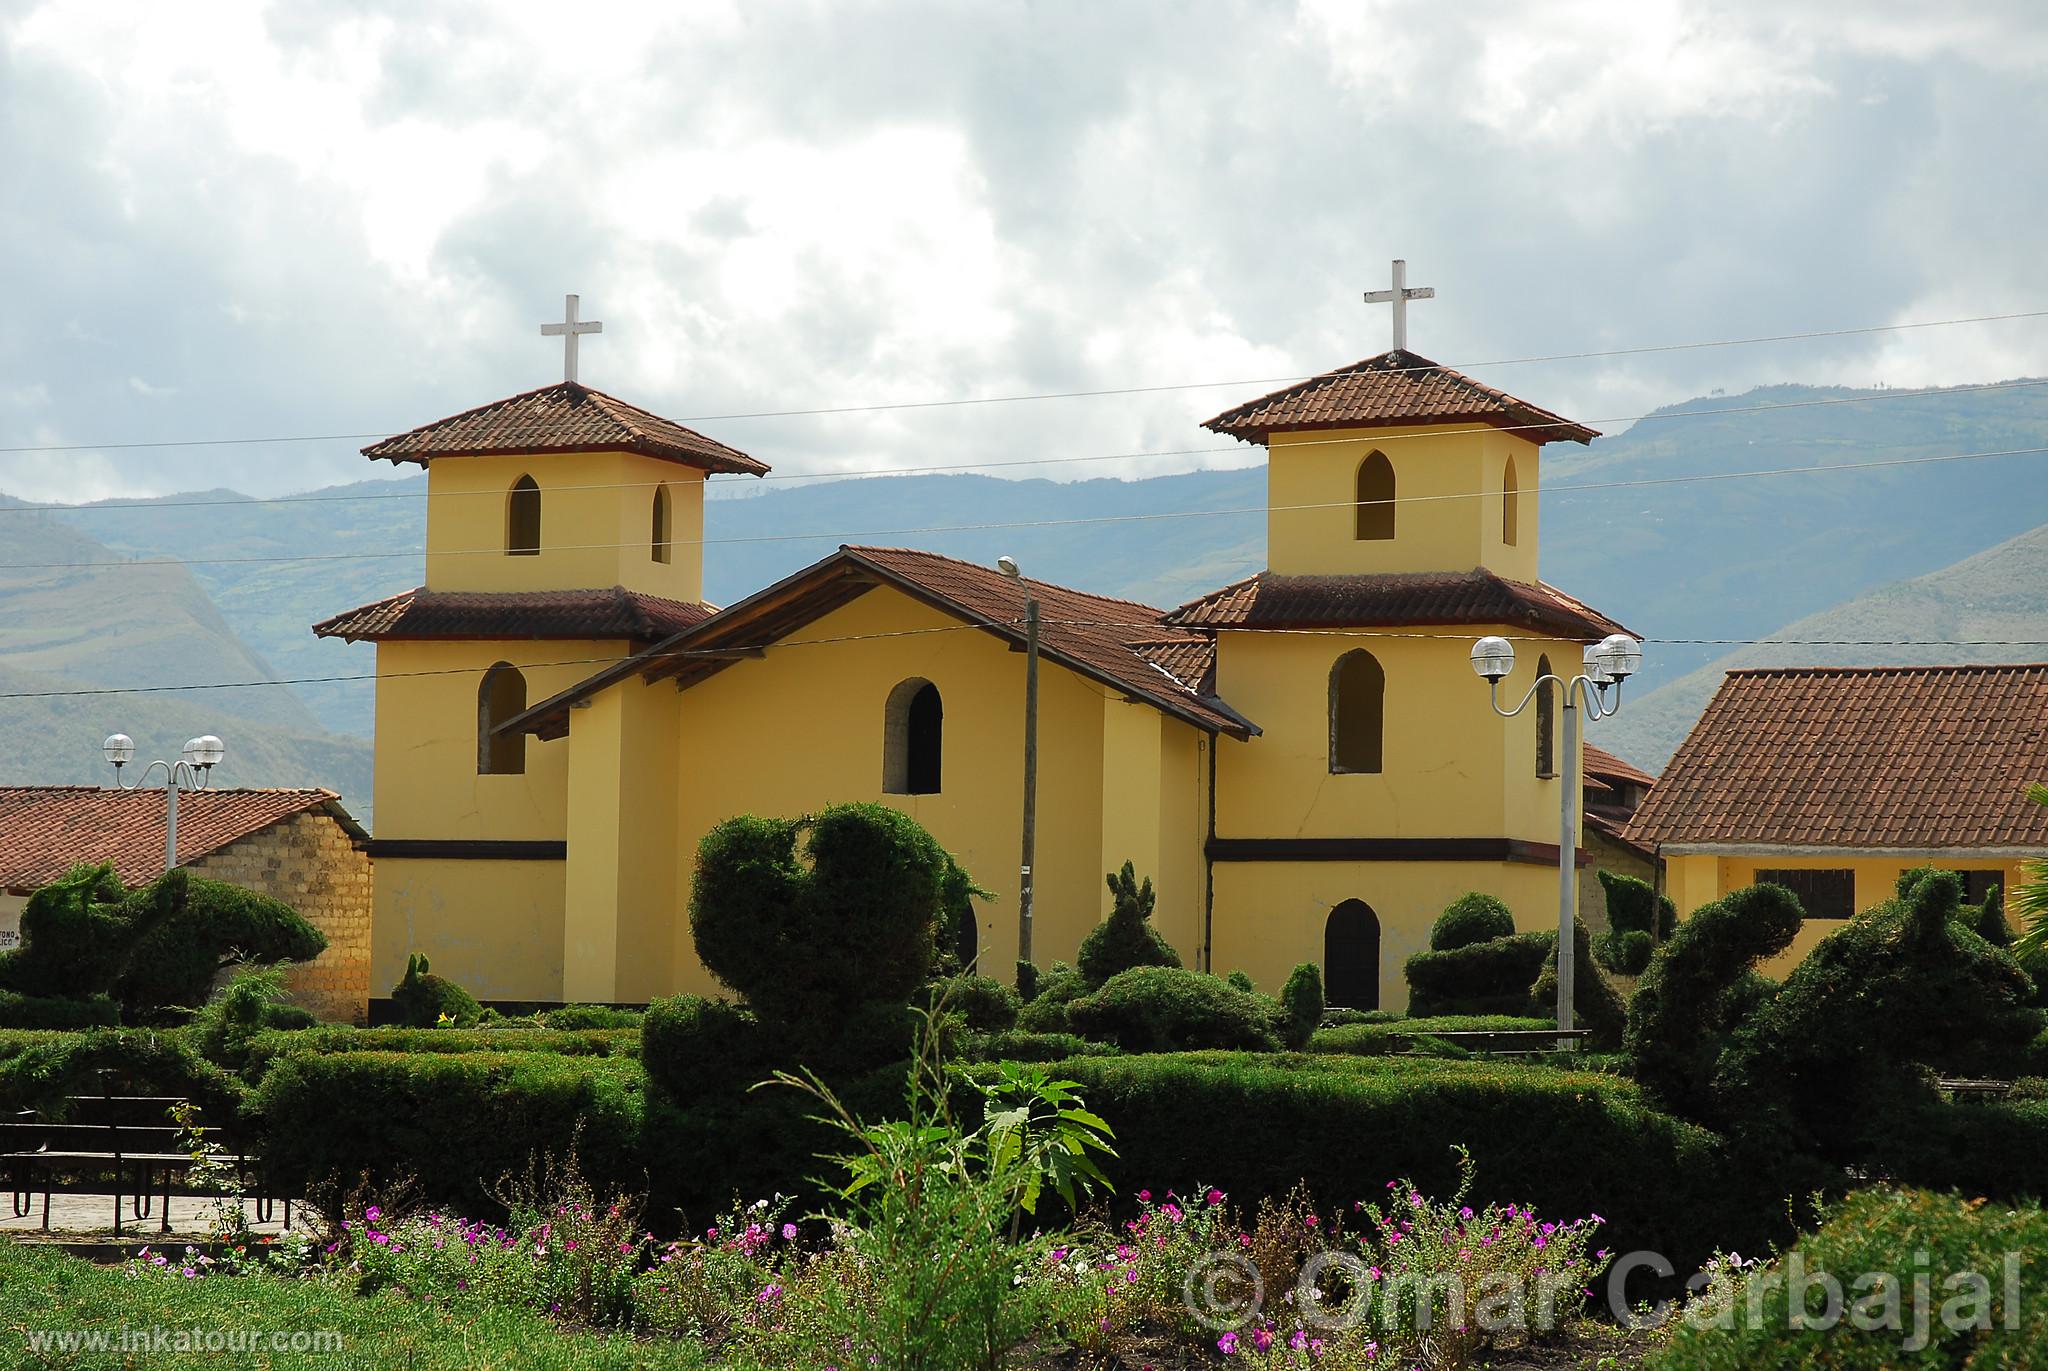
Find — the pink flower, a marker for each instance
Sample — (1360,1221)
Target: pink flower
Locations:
(1214,1197)
(1227,1344)
(1144,1197)
(789,1232)
(1262,1339)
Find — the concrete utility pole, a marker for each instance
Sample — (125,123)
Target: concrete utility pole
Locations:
(1009,568)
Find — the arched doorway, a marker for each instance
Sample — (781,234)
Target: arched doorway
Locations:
(1351,957)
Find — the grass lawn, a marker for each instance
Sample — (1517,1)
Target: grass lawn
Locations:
(44,1289)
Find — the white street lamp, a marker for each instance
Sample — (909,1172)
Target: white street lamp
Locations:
(192,770)
(1608,663)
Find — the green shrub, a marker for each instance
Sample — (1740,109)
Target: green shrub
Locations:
(1625,953)
(39,1069)
(1029,1047)
(1125,939)
(1595,1005)
(1379,1039)
(984,1005)
(1634,906)
(423,999)
(1915,1241)
(1700,984)
(216,925)
(249,1004)
(267,1047)
(457,1122)
(692,1047)
(1242,980)
(1302,1000)
(1902,991)
(1027,982)
(1479,978)
(44,1011)
(1166,1009)
(576,1016)
(1471,918)
(1047,1010)
(1340,1018)
(806,941)
(79,931)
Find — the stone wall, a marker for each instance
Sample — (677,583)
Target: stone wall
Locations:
(312,864)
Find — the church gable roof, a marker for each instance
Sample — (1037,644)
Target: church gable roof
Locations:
(564,417)
(1392,390)
(1119,643)
(611,612)
(1393,599)
(1897,759)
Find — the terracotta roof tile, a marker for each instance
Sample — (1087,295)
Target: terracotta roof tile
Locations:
(1392,390)
(1392,599)
(613,612)
(48,829)
(564,417)
(1910,759)
(1608,767)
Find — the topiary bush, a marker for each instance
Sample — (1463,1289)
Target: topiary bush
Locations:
(984,1005)
(1167,1009)
(1242,980)
(808,941)
(1302,1001)
(41,1011)
(79,932)
(215,926)
(571,1017)
(423,999)
(1638,919)
(1027,981)
(1047,1011)
(1701,983)
(1595,1005)
(1381,1039)
(692,1047)
(1479,978)
(1625,953)
(1471,918)
(1125,939)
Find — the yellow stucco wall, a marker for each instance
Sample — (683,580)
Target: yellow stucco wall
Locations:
(1448,478)
(597,524)
(1694,879)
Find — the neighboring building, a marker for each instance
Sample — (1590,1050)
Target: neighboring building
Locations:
(1833,780)
(1303,762)
(1614,791)
(298,846)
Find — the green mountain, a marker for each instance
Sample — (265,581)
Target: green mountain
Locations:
(1992,607)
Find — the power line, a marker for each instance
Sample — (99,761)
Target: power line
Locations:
(829,536)
(171,502)
(820,411)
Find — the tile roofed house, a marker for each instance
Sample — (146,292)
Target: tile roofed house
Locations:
(564,417)
(1394,389)
(1833,780)
(1388,599)
(298,846)
(420,613)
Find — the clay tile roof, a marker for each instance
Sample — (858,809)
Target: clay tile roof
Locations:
(1118,643)
(1606,766)
(1906,759)
(1393,599)
(45,830)
(613,612)
(1392,390)
(564,417)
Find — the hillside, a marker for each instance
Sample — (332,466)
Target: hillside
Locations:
(1999,596)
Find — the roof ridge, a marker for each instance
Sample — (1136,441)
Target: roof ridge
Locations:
(995,571)
(1882,668)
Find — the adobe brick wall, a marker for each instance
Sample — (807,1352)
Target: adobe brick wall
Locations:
(310,862)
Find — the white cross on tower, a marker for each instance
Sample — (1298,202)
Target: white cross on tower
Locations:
(1399,297)
(569,330)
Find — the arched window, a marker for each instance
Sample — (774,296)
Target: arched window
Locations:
(1351,957)
(912,729)
(522,518)
(1510,504)
(661,523)
(1375,498)
(1358,707)
(501,695)
(1546,722)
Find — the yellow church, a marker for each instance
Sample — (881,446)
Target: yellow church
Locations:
(1303,761)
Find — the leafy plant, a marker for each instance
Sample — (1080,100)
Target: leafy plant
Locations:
(1038,1129)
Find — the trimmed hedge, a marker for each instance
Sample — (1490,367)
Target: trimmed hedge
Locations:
(1166,1009)
(1379,1039)
(574,1016)
(43,1011)
(1029,1047)
(692,1046)
(39,1067)
(267,1047)
(1046,1011)
(1471,918)
(985,1004)
(455,1122)
(1479,978)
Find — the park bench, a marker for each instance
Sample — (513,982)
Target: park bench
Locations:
(127,1139)
(1961,1088)
(1513,1042)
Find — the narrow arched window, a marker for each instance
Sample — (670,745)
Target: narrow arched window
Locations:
(1358,706)
(661,523)
(1351,957)
(1510,504)
(1546,721)
(913,727)
(1375,498)
(501,695)
(522,518)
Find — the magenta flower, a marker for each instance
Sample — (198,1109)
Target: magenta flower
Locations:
(789,1232)
(1227,1344)
(1214,1197)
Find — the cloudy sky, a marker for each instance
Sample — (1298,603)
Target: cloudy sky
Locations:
(246,220)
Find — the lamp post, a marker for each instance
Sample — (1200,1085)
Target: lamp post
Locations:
(1008,566)
(191,771)
(1609,662)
